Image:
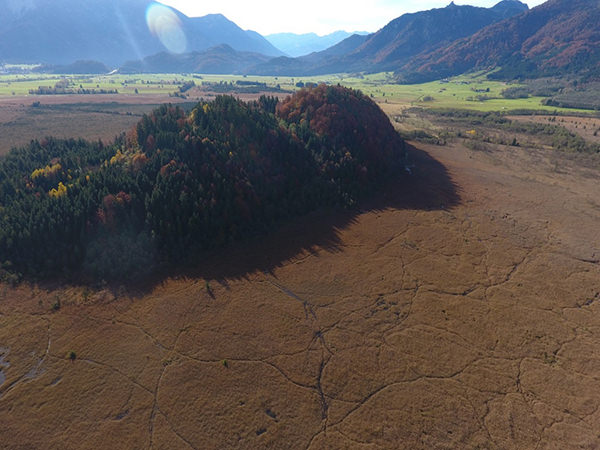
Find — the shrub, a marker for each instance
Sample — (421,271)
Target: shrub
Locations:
(516,92)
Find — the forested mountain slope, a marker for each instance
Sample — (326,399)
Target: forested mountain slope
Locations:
(557,37)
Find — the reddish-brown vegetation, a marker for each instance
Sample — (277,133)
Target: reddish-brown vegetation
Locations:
(559,36)
(410,326)
(352,123)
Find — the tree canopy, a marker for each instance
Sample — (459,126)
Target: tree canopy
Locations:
(178,183)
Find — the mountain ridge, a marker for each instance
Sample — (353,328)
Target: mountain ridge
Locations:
(401,39)
(295,45)
(112,32)
(219,60)
(554,38)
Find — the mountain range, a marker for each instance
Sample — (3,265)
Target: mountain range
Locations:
(303,44)
(555,38)
(221,59)
(111,31)
(401,39)
(558,37)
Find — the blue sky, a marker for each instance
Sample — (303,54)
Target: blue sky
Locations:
(319,16)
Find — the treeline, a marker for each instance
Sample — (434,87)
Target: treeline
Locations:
(584,66)
(179,183)
(240,87)
(186,86)
(559,93)
(48,90)
(586,97)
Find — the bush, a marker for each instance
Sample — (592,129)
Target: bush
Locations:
(516,92)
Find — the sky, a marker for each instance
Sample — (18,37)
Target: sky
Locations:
(318,16)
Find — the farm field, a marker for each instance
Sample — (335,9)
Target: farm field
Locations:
(473,91)
(458,309)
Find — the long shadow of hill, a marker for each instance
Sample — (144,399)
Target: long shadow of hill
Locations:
(428,186)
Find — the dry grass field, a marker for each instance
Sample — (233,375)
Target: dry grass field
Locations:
(459,309)
(587,127)
(71,116)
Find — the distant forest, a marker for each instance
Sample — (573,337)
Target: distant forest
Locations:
(178,184)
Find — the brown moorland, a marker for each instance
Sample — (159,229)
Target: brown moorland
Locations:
(90,117)
(460,309)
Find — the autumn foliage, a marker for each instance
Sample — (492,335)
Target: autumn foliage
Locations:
(180,183)
(358,140)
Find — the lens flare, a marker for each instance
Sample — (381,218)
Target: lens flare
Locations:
(166,26)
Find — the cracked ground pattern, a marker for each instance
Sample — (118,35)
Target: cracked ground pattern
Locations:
(469,326)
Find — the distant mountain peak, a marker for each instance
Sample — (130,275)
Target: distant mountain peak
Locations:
(396,43)
(306,43)
(556,38)
(217,17)
(509,8)
(110,31)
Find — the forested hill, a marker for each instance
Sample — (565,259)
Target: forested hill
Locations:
(179,183)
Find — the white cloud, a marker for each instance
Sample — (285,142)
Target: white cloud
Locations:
(319,16)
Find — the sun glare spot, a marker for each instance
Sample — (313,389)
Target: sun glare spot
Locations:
(166,26)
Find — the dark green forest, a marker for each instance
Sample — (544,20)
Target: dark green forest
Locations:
(178,184)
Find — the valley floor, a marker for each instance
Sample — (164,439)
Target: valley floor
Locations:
(462,310)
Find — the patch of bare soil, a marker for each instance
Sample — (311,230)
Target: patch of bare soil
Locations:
(460,310)
(586,127)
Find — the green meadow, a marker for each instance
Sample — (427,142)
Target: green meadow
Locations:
(473,91)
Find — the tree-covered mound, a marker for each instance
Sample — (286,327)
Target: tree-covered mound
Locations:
(179,183)
(355,140)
